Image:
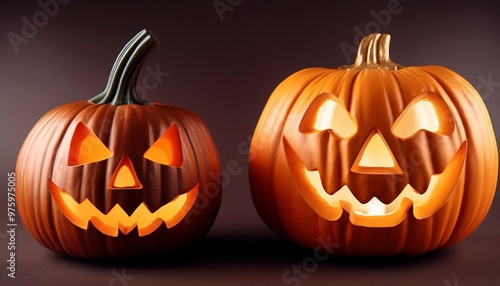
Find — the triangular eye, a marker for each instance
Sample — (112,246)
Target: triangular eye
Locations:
(426,112)
(167,150)
(327,112)
(86,147)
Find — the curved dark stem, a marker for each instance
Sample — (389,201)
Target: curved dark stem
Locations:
(121,87)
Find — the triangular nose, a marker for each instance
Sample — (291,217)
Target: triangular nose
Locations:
(124,176)
(376,157)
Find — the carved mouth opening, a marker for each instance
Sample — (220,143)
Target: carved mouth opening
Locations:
(374,213)
(117,219)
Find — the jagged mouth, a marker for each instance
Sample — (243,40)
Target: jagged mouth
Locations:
(374,213)
(117,219)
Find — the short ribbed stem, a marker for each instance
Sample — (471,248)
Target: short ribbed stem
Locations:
(373,53)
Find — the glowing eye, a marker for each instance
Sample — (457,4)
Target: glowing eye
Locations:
(167,149)
(427,112)
(86,147)
(327,112)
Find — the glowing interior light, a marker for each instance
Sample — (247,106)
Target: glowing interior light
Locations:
(117,219)
(333,116)
(377,154)
(421,116)
(167,149)
(86,147)
(375,207)
(325,115)
(125,176)
(330,205)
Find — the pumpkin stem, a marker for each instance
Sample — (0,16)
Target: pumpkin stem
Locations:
(121,87)
(373,53)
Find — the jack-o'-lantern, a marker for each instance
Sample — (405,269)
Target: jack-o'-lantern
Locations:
(118,176)
(380,158)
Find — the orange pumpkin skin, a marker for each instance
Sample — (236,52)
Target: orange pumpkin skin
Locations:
(127,130)
(375,92)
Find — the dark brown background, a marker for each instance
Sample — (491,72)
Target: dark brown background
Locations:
(225,71)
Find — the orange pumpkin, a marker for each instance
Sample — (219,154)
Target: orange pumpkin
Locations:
(381,158)
(118,176)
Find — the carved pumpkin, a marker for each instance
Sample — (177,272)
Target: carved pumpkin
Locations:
(380,158)
(118,176)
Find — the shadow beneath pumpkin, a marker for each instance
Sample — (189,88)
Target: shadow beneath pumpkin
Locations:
(220,251)
(276,250)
